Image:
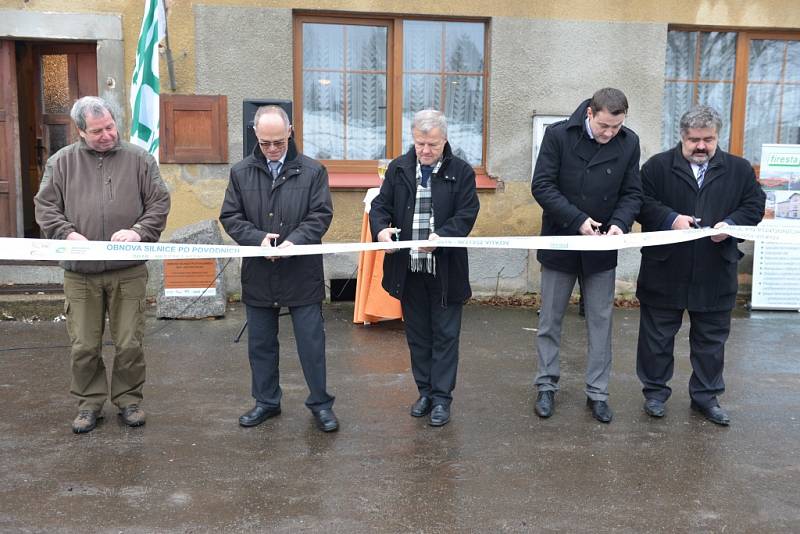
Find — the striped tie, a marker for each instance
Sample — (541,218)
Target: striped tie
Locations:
(275,169)
(701,175)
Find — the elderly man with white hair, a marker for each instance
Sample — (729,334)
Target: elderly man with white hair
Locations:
(427,193)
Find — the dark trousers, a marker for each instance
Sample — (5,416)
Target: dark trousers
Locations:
(432,332)
(655,359)
(263,350)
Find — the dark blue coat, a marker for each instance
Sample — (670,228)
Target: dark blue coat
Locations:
(698,275)
(576,178)
(298,208)
(455,208)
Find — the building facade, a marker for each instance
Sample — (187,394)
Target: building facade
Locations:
(356,71)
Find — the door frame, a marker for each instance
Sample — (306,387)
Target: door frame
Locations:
(103,29)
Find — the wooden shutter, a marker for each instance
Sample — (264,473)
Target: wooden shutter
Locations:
(194,129)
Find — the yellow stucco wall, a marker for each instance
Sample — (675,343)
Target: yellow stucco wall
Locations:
(732,13)
(198,190)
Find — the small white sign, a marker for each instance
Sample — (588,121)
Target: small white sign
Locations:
(191,292)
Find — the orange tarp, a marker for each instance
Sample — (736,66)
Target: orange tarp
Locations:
(373,303)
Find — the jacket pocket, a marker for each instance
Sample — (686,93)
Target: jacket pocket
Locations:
(729,251)
(658,253)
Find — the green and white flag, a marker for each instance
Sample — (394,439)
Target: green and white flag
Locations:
(145,85)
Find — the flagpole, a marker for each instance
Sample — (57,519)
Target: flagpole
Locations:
(168,51)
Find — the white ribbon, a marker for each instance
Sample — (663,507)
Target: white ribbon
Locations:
(49,249)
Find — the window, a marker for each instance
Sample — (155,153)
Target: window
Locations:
(359,81)
(751,78)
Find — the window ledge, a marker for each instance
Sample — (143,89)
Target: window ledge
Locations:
(346,180)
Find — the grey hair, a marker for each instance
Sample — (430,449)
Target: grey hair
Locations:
(271,110)
(429,119)
(701,116)
(93,105)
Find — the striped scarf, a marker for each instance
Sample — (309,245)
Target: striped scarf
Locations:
(422,226)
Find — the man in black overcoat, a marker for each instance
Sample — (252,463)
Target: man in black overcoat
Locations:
(693,184)
(280,197)
(587,181)
(427,193)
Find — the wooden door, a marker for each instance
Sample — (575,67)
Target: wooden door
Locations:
(64,73)
(51,77)
(9,148)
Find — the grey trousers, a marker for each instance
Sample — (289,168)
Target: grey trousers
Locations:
(598,298)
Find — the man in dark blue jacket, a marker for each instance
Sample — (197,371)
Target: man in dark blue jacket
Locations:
(587,182)
(427,193)
(693,184)
(279,197)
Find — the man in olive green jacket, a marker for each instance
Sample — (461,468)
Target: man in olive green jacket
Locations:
(103,189)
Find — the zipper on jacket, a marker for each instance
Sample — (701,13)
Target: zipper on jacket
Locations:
(106,180)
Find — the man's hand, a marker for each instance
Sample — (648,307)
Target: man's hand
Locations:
(431,237)
(590,227)
(720,237)
(126,235)
(387,236)
(614,230)
(75,236)
(269,241)
(286,244)
(684,222)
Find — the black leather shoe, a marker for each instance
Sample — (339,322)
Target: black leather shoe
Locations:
(600,410)
(440,415)
(654,408)
(545,401)
(422,407)
(326,420)
(713,413)
(258,415)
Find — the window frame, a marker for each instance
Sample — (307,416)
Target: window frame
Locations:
(349,169)
(744,36)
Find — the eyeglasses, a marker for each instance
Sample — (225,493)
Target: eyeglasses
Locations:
(272,144)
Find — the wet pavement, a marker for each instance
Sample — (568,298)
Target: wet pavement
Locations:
(495,468)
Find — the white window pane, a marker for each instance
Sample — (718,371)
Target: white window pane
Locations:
(792,71)
(761,120)
(717,55)
(366,116)
(677,100)
(420,91)
(344,91)
(464,47)
(422,46)
(720,97)
(766,60)
(366,48)
(464,112)
(681,50)
(790,115)
(323,115)
(323,46)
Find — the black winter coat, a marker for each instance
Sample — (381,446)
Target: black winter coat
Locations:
(455,208)
(698,275)
(298,208)
(575,178)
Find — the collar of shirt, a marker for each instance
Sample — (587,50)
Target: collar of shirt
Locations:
(588,128)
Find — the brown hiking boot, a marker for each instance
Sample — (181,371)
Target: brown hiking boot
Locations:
(86,421)
(132,415)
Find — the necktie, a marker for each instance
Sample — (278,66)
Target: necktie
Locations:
(701,175)
(275,168)
(425,171)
